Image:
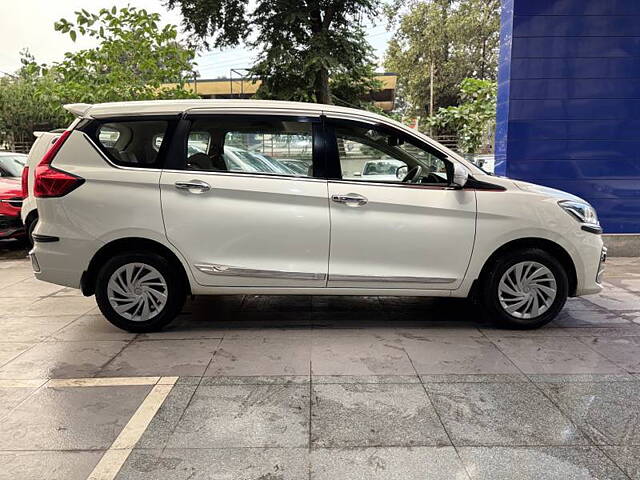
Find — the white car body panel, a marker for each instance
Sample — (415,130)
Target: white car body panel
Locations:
(43,142)
(240,231)
(415,238)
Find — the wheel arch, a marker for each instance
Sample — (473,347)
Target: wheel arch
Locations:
(548,246)
(124,245)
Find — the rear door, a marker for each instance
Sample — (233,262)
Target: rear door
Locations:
(236,212)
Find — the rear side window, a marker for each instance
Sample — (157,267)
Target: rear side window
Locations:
(133,143)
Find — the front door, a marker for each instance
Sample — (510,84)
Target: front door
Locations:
(243,206)
(395,223)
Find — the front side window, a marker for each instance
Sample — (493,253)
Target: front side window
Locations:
(133,143)
(265,146)
(370,154)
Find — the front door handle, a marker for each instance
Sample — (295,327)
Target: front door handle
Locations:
(350,199)
(194,186)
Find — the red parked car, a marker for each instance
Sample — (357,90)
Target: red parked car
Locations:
(11,166)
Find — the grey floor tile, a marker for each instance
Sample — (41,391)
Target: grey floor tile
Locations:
(162,357)
(280,303)
(627,458)
(623,351)
(554,355)
(11,397)
(262,356)
(90,327)
(220,464)
(87,418)
(357,415)
(62,360)
(76,305)
(486,414)
(474,378)
(457,355)
(30,288)
(9,351)
(32,329)
(367,379)
(615,298)
(245,416)
(166,419)
(588,318)
(48,465)
(534,463)
(350,355)
(400,463)
(609,412)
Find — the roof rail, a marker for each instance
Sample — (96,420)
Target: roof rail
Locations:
(78,109)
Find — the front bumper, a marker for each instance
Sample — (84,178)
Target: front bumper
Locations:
(11,227)
(603,259)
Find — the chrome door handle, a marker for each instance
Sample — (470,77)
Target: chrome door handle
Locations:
(350,199)
(194,186)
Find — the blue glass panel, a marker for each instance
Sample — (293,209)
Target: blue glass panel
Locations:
(576,26)
(572,47)
(577,109)
(574,88)
(574,129)
(607,151)
(576,7)
(531,68)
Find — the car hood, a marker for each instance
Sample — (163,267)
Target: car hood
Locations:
(10,187)
(550,192)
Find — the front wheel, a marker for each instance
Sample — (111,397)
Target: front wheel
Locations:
(139,292)
(525,289)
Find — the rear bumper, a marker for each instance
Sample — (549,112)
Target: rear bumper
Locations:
(61,262)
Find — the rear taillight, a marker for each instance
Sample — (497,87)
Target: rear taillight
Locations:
(51,182)
(25,182)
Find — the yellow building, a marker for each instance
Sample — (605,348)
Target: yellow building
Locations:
(246,88)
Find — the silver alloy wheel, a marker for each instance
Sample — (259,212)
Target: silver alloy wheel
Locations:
(137,291)
(527,290)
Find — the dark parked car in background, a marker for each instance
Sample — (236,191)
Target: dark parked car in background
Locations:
(11,165)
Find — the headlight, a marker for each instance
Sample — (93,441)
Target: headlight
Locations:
(582,212)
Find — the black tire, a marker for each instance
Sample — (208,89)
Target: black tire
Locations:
(30,227)
(175,291)
(489,294)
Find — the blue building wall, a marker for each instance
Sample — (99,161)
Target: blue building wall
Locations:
(568,113)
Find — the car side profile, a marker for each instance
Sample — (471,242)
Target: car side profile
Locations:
(144,203)
(11,195)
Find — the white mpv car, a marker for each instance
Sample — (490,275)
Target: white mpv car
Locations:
(142,203)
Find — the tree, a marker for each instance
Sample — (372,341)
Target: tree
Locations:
(457,38)
(300,44)
(132,61)
(474,118)
(133,58)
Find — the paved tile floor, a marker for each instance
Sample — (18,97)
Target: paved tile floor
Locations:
(277,388)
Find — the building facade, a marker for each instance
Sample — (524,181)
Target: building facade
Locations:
(569,102)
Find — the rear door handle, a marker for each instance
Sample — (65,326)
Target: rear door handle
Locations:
(194,186)
(350,199)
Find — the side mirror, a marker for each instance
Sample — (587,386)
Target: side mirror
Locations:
(401,172)
(460,176)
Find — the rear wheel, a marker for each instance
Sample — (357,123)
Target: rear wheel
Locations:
(525,289)
(139,292)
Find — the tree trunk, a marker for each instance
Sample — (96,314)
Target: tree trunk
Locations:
(319,27)
(323,95)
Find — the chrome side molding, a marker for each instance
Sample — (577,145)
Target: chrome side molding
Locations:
(381,279)
(228,270)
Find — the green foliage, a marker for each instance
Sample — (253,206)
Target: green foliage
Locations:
(458,37)
(473,118)
(300,45)
(133,58)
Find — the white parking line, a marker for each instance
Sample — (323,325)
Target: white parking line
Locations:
(103,382)
(113,459)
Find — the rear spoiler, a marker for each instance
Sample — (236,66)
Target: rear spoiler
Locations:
(78,109)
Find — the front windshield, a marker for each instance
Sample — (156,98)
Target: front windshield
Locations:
(12,165)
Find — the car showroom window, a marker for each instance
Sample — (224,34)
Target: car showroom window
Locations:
(265,146)
(132,143)
(370,154)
